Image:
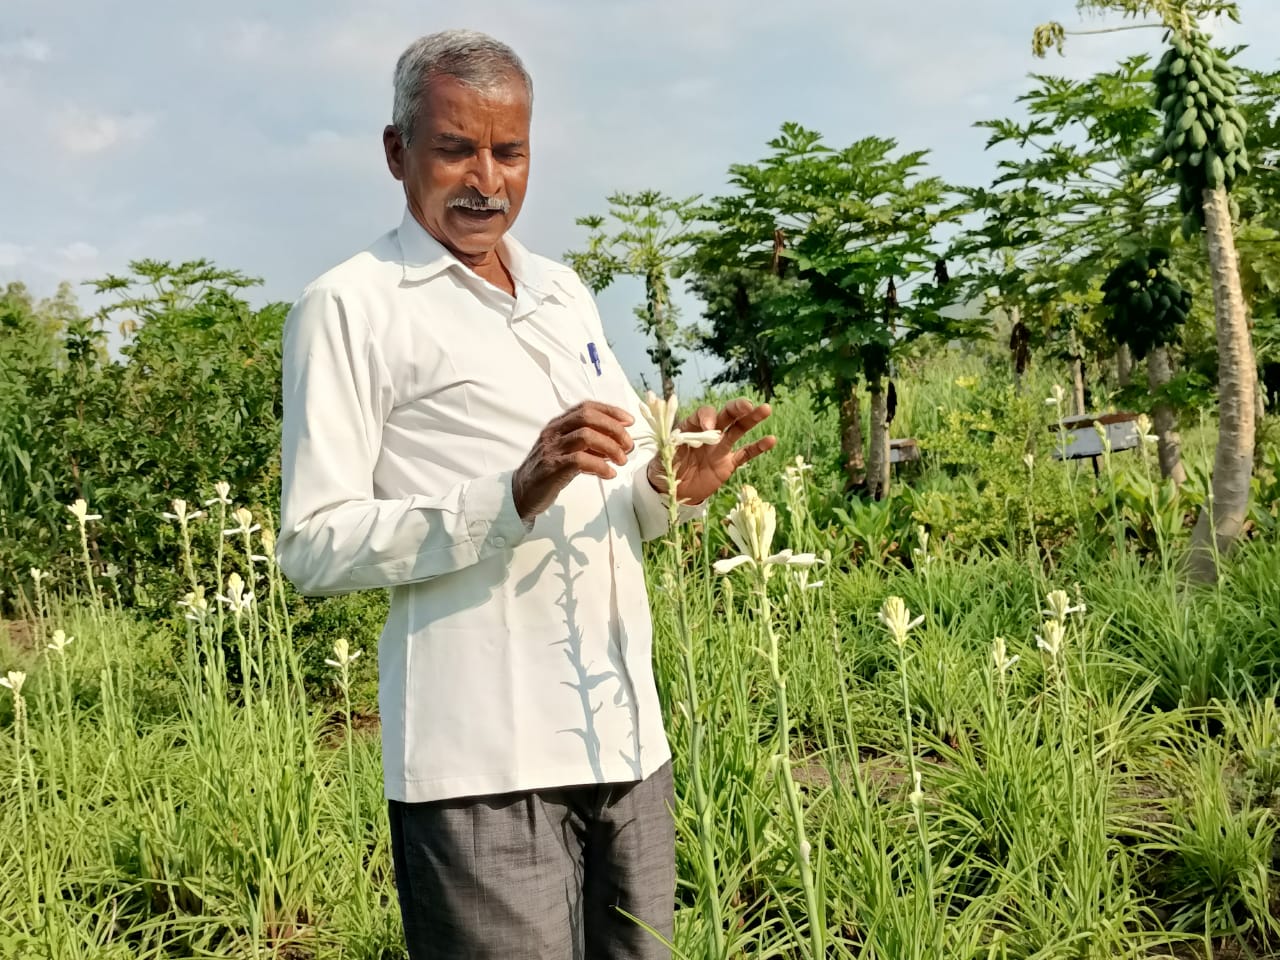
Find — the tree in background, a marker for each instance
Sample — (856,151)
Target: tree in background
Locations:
(1204,152)
(192,399)
(1081,197)
(644,235)
(856,227)
(1146,308)
(738,304)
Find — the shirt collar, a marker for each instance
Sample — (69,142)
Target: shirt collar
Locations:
(422,257)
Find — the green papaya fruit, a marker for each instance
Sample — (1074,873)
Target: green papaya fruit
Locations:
(1215,172)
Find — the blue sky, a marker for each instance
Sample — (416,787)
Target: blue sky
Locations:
(250,133)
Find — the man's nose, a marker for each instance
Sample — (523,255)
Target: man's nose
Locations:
(483,176)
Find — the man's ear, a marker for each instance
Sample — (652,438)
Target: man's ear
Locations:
(393,146)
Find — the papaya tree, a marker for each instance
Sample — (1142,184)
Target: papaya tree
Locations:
(644,235)
(1077,195)
(1146,308)
(739,302)
(1204,153)
(841,231)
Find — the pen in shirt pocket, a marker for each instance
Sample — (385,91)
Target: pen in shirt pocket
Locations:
(594,355)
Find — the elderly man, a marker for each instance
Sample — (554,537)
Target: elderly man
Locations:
(456,429)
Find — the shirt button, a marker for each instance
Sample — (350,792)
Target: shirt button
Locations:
(499,542)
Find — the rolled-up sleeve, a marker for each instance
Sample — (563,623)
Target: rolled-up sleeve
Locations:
(335,535)
(652,508)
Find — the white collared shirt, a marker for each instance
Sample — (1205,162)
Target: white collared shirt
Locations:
(512,658)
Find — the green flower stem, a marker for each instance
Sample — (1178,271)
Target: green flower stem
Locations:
(792,794)
(98,610)
(716,945)
(926,859)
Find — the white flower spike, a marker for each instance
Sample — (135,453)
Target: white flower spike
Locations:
(1052,639)
(81,510)
(342,651)
(752,523)
(14,681)
(60,641)
(1145,436)
(895,615)
(180,512)
(659,418)
(222,494)
(999,655)
(197,606)
(916,796)
(246,525)
(1060,607)
(237,598)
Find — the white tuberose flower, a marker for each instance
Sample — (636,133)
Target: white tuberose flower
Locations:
(342,651)
(916,796)
(659,417)
(13,681)
(237,597)
(1000,656)
(81,510)
(1052,639)
(895,615)
(60,641)
(1060,607)
(752,523)
(222,491)
(1145,436)
(180,512)
(246,525)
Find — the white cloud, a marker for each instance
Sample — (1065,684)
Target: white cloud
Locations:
(171,222)
(78,253)
(28,49)
(249,39)
(86,131)
(13,255)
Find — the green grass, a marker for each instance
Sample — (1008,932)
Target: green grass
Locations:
(175,791)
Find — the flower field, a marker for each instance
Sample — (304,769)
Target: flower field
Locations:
(984,717)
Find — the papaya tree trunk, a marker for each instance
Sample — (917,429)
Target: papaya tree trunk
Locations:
(1222,518)
(1169,443)
(1124,365)
(659,320)
(878,442)
(851,434)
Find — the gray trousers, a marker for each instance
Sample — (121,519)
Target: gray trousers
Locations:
(539,875)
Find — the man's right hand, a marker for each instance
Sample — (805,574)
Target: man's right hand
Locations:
(589,438)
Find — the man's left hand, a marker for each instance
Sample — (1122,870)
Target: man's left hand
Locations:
(701,471)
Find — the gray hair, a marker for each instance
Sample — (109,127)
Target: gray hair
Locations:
(474,59)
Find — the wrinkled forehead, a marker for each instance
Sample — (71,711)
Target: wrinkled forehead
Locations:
(449,101)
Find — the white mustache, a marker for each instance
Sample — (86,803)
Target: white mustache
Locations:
(481,203)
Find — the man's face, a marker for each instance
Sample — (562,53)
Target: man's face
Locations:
(469,150)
